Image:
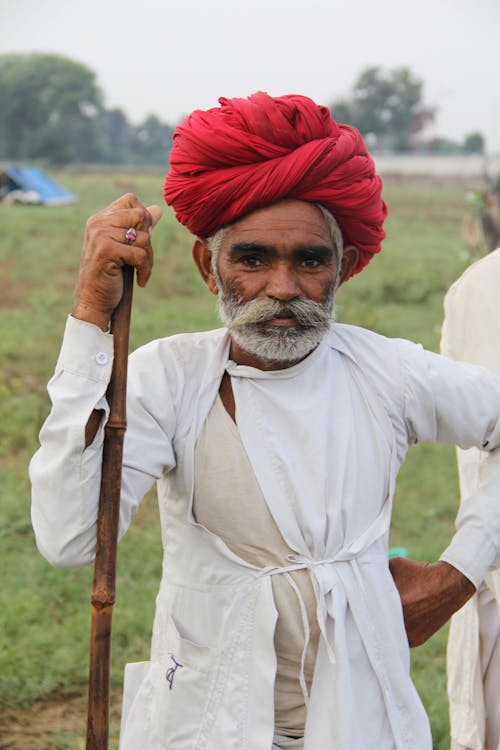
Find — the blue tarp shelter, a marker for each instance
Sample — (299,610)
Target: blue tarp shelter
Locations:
(41,188)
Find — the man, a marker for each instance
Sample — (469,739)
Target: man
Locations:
(471,332)
(275,443)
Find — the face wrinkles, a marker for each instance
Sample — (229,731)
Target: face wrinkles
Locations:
(276,275)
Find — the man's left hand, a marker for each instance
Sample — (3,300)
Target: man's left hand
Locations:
(430,593)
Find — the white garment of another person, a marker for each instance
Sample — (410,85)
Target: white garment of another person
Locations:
(471,332)
(325,439)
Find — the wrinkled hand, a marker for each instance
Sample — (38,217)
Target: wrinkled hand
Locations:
(105,250)
(430,593)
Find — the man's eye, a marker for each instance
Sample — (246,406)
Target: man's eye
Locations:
(251,261)
(310,262)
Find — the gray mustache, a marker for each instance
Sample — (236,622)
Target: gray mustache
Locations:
(306,311)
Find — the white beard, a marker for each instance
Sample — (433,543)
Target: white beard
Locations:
(249,327)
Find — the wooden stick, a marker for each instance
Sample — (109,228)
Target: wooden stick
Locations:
(103,589)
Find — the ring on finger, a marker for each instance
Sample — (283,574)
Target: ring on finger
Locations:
(130,235)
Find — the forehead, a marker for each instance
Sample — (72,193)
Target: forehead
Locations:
(285,224)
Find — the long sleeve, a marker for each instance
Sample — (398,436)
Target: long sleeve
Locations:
(432,398)
(459,404)
(65,475)
(429,397)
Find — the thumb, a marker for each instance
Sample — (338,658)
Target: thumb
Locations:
(155,212)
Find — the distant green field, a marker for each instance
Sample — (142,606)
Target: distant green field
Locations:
(44,613)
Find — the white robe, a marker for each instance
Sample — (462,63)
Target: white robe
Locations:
(325,439)
(471,332)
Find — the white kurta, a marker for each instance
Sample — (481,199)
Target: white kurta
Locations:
(471,332)
(325,439)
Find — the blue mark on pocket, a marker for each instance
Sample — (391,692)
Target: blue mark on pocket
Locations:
(171,672)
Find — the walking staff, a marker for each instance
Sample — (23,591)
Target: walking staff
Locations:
(104,583)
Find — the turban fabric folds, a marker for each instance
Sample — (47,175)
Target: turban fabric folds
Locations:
(250,153)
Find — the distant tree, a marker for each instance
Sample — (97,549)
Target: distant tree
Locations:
(474,143)
(342,111)
(153,140)
(444,146)
(49,109)
(388,105)
(116,137)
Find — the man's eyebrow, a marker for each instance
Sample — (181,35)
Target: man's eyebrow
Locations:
(249,247)
(239,248)
(324,250)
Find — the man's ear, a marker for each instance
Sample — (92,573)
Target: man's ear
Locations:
(350,257)
(202,256)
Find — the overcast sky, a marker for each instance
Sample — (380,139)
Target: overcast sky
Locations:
(168,57)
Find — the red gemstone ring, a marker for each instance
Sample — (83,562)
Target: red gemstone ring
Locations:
(130,235)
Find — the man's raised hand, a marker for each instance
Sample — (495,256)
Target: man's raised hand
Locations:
(106,250)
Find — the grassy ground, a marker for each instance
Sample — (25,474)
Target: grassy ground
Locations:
(44,613)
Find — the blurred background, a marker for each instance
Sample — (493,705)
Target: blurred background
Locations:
(144,67)
(89,97)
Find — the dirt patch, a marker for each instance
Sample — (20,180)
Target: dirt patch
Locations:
(56,723)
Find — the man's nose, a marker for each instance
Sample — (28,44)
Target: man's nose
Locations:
(282,283)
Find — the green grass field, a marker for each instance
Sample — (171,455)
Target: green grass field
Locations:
(45,612)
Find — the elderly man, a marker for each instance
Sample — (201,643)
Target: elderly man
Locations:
(471,332)
(275,443)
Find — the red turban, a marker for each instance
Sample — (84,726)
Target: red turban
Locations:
(250,153)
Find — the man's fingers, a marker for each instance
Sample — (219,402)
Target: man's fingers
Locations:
(129,200)
(137,217)
(156,214)
(127,211)
(122,254)
(117,234)
(111,226)
(144,270)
